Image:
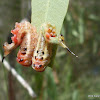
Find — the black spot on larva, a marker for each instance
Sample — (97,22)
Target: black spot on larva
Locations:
(40,65)
(20,60)
(43,52)
(33,65)
(24,53)
(41,58)
(35,57)
(37,51)
(24,49)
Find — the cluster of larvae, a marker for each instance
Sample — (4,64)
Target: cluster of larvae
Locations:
(35,48)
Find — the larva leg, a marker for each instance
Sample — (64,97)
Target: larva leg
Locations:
(49,33)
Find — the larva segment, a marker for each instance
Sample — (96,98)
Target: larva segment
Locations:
(42,54)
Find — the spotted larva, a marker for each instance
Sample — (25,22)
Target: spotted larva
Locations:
(42,54)
(24,35)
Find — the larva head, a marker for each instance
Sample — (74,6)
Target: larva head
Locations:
(40,61)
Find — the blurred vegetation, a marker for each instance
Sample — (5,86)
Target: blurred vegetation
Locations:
(70,78)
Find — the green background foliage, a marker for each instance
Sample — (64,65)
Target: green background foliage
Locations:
(70,78)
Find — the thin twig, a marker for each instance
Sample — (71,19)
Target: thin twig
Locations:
(19,78)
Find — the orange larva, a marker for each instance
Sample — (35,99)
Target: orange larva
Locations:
(43,52)
(24,35)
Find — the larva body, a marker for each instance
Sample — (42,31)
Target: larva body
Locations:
(28,45)
(24,35)
(43,52)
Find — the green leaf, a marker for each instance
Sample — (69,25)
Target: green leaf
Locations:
(49,11)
